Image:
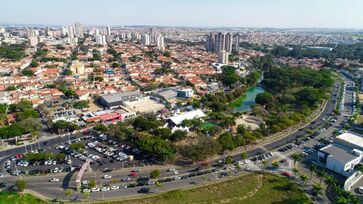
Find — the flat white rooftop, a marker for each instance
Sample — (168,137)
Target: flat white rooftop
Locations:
(355,141)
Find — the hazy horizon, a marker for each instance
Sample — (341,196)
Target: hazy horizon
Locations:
(299,14)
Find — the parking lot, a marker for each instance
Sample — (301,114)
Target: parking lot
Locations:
(104,154)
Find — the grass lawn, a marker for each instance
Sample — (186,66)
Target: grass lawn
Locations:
(360,119)
(246,189)
(236,103)
(16,198)
(207,126)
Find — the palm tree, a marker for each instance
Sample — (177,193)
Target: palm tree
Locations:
(341,200)
(275,165)
(68,193)
(296,157)
(295,170)
(360,168)
(317,189)
(313,168)
(85,195)
(329,180)
(158,186)
(264,163)
(304,178)
(321,175)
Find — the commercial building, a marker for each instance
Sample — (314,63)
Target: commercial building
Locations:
(185,93)
(179,118)
(115,100)
(342,156)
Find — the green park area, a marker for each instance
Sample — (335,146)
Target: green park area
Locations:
(248,189)
(17,198)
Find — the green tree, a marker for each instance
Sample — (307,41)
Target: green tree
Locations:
(321,175)
(275,164)
(244,155)
(317,189)
(100,127)
(226,141)
(27,72)
(313,168)
(34,63)
(155,173)
(164,133)
(229,160)
(303,178)
(85,195)
(92,183)
(10,88)
(296,157)
(264,98)
(178,135)
(21,185)
(68,193)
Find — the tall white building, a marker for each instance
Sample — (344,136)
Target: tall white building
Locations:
(108,30)
(160,42)
(64,31)
(223,57)
(229,42)
(101,39)
(152,35)
(145,40)
(216,42)
(236,41)
(2,30)
(78,30)
(71,31)
(33,40)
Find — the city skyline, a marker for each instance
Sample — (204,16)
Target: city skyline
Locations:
(261,13)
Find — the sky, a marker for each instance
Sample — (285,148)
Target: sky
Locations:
(196,13)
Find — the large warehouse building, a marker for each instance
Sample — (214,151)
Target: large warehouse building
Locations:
(342,156)
(117,99)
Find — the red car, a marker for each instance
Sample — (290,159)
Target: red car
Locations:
(133,174)
(287,174)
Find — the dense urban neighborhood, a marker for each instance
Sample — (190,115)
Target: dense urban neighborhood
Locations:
(98,113)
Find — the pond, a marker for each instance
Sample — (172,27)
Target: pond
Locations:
(248,99)
(245,102)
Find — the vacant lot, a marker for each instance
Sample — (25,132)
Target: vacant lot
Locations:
(250,189)
(15,198)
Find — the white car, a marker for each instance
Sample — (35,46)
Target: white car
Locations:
(7,163)
(360,189)
(86,190)
(115,187)
(95,189)
(2,175)
(106,189)
(171,169)
(85,182)
(126,179)
(107,176)
(54,180)
(176,172)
